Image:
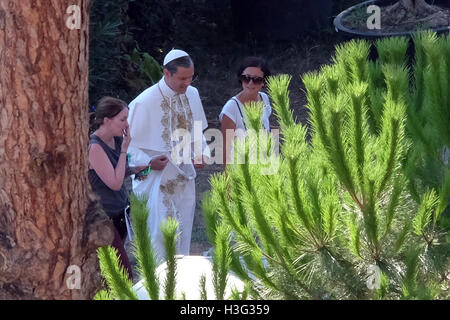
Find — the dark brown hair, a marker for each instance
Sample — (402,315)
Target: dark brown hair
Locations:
(256,62)
(107,107)
(185,62)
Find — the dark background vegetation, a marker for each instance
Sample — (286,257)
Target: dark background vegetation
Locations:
(295,36)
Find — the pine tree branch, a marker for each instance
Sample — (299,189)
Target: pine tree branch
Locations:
(169,229)
(115,274)
(142,246)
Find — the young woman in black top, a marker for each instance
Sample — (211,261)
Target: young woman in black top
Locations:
(108,166)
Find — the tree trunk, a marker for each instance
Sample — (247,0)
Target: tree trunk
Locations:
(417,6)
(409,13)
(411,5)
(50,223)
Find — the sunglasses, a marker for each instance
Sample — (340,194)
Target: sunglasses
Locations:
(246,78)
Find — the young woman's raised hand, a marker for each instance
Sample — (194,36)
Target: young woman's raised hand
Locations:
(126,139)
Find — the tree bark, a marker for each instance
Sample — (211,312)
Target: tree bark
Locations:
(410,4)
(408,14)
(417,6)
(49,219)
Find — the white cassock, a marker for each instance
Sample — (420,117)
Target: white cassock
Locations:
(154,117)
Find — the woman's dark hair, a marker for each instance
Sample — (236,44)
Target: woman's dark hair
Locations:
(107,107)
(256,62)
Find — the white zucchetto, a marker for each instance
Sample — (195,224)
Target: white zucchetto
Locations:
(174,54)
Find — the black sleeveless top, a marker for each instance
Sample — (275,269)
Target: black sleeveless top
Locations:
(114,202)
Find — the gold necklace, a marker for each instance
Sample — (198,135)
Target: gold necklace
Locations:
(168,102)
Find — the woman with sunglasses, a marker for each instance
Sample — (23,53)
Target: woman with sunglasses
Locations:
(251,74)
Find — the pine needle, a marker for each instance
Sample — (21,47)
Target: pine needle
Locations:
(115,275)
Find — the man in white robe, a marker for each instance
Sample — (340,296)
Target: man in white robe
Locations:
(156,116)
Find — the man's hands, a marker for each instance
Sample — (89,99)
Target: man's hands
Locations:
(159,163)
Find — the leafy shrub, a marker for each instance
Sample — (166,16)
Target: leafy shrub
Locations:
(338,219)
(109,36)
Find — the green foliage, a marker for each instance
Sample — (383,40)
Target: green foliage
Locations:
(102,295)
(413,287)
(142,247)
(429,115)
(118,67)
(119,27)
(119,287)
(280,99)
(148,70)
(109,34)
(210,216)
(116,277)
(203,293)
(392,50)
(169,231)
(382,293)
(424,215)
(222,261)
(147,65)
(341,204)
